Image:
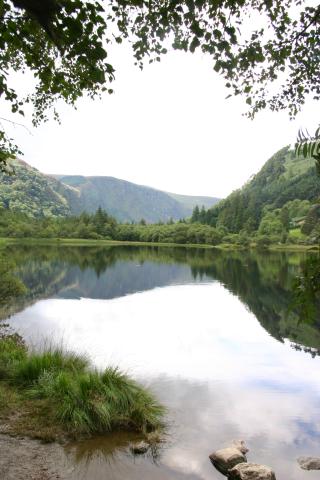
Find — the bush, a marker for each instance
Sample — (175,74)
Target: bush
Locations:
(263,242)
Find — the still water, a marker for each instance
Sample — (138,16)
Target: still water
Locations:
(209,332)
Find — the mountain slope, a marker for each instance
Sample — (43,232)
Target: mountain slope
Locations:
(31,192)
(283,178)
(190,201)
(124,200)
(127,201)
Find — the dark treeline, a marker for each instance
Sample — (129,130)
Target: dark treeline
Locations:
(101,225)
(297,222)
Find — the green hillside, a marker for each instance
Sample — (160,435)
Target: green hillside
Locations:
(283,182)
(31,192)
(123,200)
(127,201)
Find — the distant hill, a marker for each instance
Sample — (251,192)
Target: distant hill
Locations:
(36,194)
(283,178)
(190,201)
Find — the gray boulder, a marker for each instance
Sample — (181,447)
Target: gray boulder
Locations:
(251,471)
(309,463)
(226,458)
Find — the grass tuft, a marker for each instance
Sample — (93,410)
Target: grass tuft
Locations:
(30,368)
(78,397)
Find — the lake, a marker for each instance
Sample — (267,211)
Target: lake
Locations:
(210,332)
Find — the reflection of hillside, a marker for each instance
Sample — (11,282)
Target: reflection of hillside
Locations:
(94,272)
(261,281)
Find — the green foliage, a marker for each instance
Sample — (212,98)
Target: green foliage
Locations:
(62,44)
(271,224)
(285,218)
(263,242)
(309,146)
(247,57)
(28,191)
(312,219)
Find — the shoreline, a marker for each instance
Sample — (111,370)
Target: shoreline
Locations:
(74,242)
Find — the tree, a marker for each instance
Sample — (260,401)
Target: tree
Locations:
(284,217)
(63,42)
(312,219)
(195,217)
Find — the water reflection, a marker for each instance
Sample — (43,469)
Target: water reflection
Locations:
(263,282)
(215,346)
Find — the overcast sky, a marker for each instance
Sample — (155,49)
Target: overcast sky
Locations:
(169,127)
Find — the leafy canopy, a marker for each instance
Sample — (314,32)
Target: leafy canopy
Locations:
(267,51)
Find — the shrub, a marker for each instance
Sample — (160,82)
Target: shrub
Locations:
(263,242)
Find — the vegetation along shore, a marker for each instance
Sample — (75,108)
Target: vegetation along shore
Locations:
(55,394)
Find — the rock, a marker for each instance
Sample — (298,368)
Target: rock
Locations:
(139,448)
(154,438)
(251,471)
(226,458)
(309,463)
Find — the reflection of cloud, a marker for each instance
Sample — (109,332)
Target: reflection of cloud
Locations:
(198,332)
(210,415)
(221,375)
(207,416)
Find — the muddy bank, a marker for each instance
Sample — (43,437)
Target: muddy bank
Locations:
(26,459)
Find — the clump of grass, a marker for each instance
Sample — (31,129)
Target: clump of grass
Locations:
(51,359)
(90,401)
(80,398)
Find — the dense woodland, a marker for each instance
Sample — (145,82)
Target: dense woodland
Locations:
(298,221)
(280,203)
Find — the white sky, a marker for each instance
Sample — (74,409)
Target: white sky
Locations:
(168,127)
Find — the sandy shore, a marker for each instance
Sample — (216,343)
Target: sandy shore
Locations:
(26,459)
